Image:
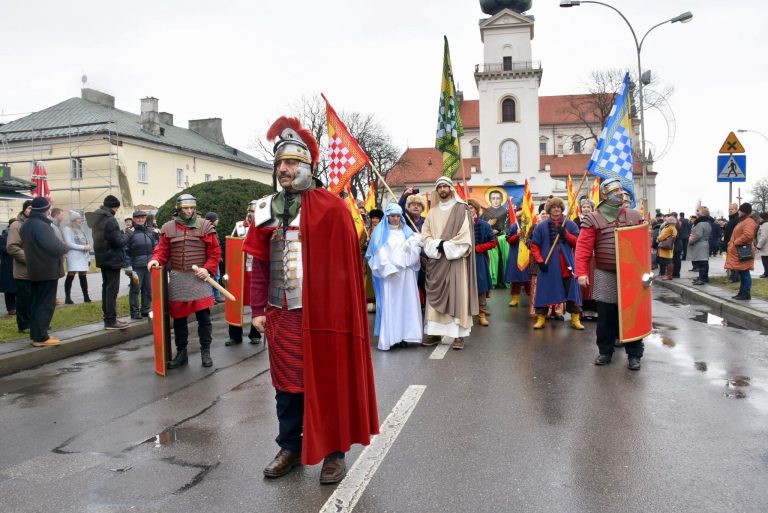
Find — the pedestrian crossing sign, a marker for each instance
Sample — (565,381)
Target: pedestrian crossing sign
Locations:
(731,168)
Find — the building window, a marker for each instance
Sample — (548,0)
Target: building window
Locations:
(143,173)
(76,169)
(507,63)
(508,111)
(543,145)
(578,144)
(475,150)
(510,157)
(207,178)
(180,178)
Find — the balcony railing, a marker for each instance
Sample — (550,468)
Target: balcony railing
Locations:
(502,67)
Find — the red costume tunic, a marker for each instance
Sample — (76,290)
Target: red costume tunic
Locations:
(162,254)
(333,367)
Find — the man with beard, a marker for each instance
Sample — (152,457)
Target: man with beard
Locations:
(186,241)
(497,215)
(451,274)
(597,238)
(307,296)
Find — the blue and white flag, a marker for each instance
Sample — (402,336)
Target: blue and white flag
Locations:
(612,157)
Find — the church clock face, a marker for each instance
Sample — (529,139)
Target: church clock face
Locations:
(509,157)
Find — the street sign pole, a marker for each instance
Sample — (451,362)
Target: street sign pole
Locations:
(730,193)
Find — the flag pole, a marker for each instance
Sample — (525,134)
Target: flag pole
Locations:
(407,217)
(557,237)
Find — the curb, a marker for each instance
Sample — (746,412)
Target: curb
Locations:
(30,356)
(721,307)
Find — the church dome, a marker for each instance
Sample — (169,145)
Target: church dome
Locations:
(493,6)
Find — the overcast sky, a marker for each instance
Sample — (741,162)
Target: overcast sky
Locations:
(245,61)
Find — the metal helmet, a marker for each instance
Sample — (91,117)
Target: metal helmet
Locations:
(607,188)
(292,141)
(252,205)
(185,201)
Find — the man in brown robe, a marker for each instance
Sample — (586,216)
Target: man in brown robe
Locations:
(448,238)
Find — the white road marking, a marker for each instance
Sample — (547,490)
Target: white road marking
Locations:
(440,351)
(349,491)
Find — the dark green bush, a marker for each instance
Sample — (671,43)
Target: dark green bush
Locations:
(228,198)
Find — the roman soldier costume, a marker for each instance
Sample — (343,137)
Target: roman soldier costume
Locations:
(308,283)
(597,237)
(186,242)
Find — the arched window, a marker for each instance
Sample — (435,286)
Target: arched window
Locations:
(578,144)
(510,157)
(508,110)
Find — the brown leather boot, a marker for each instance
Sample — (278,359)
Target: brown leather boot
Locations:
(668,272)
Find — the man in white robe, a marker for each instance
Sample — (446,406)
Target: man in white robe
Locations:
(393,256)
(448,237)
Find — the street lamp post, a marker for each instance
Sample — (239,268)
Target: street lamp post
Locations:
(683,18)
(743,130)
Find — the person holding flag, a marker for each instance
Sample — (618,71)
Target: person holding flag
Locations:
(307,296)
(518,273)
(613,162)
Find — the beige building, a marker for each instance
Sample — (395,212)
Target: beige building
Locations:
(91,149)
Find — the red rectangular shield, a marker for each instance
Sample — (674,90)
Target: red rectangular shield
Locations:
(633,261)
(161,320)
(234,267)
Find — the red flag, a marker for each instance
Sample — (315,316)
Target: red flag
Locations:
(40,179)
(345,156)
(511,207)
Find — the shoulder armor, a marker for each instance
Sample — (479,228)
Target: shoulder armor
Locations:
(263,213)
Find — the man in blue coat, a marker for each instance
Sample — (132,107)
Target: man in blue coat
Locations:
(485,240)
(555,283)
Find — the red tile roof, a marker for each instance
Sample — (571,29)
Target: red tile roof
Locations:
(573,165)
(470,113)
(559,110)
(423,165)
(553,110)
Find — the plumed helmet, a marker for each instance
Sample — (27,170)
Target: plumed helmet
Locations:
(185,201)
(293,141)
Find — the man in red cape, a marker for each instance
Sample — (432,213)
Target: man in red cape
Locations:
(307,294)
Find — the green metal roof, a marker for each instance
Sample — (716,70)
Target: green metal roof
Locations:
(76,116)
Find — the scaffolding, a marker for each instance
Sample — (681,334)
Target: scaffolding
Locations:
(93,157)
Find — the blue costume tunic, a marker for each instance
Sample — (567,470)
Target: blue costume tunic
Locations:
(483,234)
(513,273)
(549,283)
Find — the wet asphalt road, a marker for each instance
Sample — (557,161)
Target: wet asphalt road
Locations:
(518,421)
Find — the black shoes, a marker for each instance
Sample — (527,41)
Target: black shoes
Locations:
(603,359)
(179,360)
(742,297)
(699,281)
(255,340)
(205,356)
(233,342)
(633,363)
(135,316)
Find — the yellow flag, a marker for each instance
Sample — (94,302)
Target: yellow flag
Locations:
(573,205)
(370,199)
(594,192)
(525,224)
(359,224)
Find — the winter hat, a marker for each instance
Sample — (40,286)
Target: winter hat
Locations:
(212,216)
(744,207)
(139,213)
(40,204)
(111,202)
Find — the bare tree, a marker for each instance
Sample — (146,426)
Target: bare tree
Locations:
(365,128)
(760,195)
(593,108)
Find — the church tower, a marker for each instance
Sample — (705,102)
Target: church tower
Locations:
(508,85)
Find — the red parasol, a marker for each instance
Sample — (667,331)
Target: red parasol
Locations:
(40,179)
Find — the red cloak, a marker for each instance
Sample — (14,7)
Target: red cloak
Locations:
(339,392)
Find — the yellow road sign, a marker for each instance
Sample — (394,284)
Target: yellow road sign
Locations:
(732,145)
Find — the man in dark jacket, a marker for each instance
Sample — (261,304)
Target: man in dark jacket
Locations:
(714,239)
(20,274)
(684,231)
(140,246)
(109,246)
(44,252)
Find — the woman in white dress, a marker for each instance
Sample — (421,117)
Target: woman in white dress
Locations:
(393,256)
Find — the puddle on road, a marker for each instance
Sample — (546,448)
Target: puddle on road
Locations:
(710,318)
(671,300)
(188,434)
(700,366)
(734,387)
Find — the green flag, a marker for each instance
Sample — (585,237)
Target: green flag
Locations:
(449,127)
